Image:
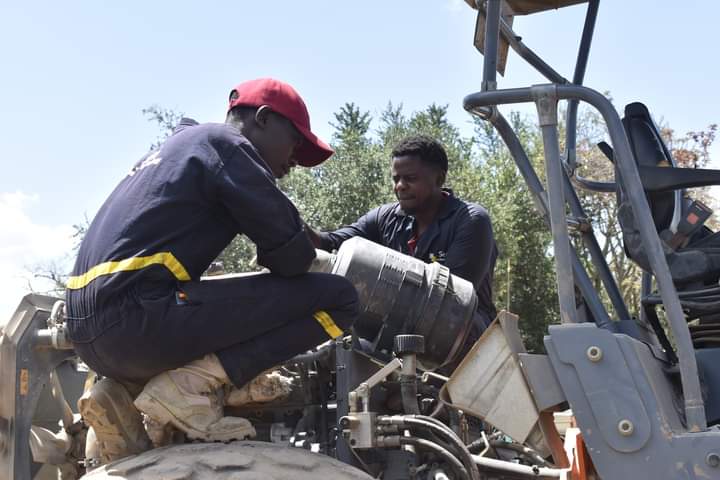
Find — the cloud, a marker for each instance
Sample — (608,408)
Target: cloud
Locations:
(24,245)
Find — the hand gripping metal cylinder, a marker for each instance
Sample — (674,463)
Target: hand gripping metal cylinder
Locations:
(401,295)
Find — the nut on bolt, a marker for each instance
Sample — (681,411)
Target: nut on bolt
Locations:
(625,427)
(347,422)
(594,353)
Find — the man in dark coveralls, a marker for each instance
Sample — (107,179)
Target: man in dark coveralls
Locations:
(430,223)
(137,310)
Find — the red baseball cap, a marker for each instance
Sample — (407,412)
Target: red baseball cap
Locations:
(283,99)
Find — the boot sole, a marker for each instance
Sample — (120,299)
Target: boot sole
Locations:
(119,434)
(154,409)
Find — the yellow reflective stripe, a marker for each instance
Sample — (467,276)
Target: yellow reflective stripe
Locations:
(129,264)
(327,323)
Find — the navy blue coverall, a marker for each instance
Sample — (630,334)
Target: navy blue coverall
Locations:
(460,237)
(136,304)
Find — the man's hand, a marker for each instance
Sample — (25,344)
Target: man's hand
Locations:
(312,235)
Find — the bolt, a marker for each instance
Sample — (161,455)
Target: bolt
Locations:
(594,353)
(713,459)
(626,427)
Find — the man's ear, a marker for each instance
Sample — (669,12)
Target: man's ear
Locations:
(261,116)
(441,178)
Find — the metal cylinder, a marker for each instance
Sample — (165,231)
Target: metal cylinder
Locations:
(400,294)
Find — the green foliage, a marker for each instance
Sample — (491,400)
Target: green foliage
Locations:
(524,276)
(357,179)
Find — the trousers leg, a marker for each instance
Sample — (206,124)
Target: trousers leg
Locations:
(250,322)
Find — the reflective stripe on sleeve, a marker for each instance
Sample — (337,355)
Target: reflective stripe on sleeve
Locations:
(326,321)
(129,264)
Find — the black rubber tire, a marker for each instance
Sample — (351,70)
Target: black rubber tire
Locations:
(232,461)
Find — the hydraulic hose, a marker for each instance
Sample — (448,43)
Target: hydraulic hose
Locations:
(444,453)
(437,427)
(529,454)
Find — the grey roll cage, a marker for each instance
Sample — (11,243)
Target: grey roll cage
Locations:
(560,171)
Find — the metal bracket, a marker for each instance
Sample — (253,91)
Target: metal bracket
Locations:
(546,100)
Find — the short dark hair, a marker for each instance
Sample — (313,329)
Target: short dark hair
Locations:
(426,148)
(241,112)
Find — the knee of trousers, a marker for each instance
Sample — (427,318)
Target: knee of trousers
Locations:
(345,304)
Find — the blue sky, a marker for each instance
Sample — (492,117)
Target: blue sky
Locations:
(76,75)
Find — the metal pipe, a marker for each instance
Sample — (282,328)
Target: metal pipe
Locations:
(524,51)
(694,407)
(596,255)
(546,102)
(580,66)
(515,468)
(538,195)
(645,289)
(408,384)
(437,427)
(492,34)
(443,452)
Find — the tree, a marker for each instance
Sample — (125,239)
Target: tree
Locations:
(166,120)
(357,179)
(524,277)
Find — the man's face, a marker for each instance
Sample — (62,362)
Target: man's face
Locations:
(415,183)
(279,139)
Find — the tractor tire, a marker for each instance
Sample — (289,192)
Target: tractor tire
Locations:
(231,461)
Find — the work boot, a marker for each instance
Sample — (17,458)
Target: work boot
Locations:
(266,387)
(190,399)
(108,409)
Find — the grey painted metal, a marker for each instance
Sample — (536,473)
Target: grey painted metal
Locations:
(645,289)
(492,28)
(524,51)
(540,199)
(541,379)
(546,102)
(694,408)
(628,372)
(578,77)
(25,367)
(596,256)
(352,368)
(602,371)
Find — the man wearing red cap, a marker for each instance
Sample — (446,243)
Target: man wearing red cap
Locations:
(137,310)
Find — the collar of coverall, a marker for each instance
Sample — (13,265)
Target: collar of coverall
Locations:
(450,204)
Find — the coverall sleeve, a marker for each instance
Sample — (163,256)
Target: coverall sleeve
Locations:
(263,213)
(367,227)
(471,253)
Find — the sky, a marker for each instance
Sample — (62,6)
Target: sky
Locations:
(76,76)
